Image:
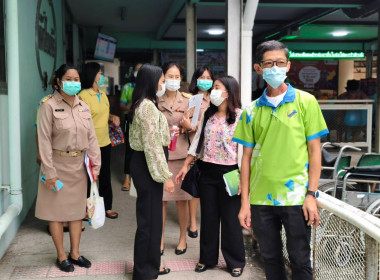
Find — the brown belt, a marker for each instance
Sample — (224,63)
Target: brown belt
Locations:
(68,153)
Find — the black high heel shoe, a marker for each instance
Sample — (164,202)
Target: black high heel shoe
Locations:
(236,272)
(200,268)
(65,265)
(192,234)
(180,251)
(164,271)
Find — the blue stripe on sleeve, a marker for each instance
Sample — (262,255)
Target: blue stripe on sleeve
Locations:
(125,102)
(318,134)
(249,145)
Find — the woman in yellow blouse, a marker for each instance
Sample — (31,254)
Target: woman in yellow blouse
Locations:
(92,77)
(149,139)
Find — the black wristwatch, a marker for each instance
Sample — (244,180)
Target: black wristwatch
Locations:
(315,194)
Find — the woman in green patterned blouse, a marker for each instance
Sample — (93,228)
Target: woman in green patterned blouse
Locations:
(149,138)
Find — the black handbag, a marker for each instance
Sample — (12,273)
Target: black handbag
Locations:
(190,183)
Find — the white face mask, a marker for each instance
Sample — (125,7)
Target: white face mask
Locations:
(216,97)
(172,85)
(161,92)
(135,74)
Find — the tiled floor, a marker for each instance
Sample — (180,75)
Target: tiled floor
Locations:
(110,248)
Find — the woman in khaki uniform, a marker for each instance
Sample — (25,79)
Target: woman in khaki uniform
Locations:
(201,83)
(65,134)
(173,104)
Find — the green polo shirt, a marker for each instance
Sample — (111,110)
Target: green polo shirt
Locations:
(126,94)
(278,136)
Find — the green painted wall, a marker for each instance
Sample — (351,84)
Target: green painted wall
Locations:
(31,92)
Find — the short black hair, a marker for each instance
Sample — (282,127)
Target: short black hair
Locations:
(146,86)
(89,72)
(60,72)
(233,100)
(169,65)
(270,46)
(193,88)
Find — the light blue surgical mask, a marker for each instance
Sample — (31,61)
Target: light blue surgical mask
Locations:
(101,81)
(274,76)
(71,88)
(204,84)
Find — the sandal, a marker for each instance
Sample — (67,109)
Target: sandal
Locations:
(127,184)
(111,214)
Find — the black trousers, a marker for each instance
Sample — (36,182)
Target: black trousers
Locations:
(267,223)
(149,220)
(128,149)
(218,208)
(105,187)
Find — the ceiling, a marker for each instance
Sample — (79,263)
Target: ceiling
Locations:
(312,21)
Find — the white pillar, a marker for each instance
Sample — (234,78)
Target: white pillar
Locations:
(191,40)
(14,133)
(233,37)
(346,72)
(246,51)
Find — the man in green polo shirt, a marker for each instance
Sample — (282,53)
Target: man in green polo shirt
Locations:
(281,165)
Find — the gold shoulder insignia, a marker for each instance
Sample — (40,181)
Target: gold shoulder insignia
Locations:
(187,95)
(46,98)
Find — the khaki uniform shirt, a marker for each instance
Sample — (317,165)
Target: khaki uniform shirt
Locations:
(174,115)
(65,128)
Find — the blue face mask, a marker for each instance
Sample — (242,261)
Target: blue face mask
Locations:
(71,88)
(274,76)
(204,84)
(101,81)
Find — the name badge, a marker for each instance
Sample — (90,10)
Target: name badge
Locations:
(59,110)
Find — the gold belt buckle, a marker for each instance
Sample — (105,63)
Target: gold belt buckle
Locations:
(74,154)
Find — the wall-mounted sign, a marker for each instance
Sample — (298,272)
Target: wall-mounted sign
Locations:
(326,55)
(46,40)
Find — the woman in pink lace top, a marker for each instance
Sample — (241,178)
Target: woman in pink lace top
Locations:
(218,156)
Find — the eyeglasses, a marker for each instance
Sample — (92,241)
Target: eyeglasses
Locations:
(270,63)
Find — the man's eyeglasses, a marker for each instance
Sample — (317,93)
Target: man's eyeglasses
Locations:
(270,63)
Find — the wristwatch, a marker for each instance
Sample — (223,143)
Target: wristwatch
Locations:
(315,194)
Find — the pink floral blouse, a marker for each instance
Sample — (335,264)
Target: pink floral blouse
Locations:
(218,145)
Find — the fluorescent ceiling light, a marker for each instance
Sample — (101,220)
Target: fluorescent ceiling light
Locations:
(340,33)
(200,50)
(215,31)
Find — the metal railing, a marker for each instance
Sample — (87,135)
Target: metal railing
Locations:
(346,243)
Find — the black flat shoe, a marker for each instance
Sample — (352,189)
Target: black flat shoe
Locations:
(200,268)
(162,252)
(65,265)
(81,261)
(236,272)
(164,271)
(180,252)
(192,234)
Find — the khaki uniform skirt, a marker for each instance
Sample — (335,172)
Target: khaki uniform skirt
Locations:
(69,204)
(174,167)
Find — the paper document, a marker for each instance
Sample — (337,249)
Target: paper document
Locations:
(196,102)
(89,168)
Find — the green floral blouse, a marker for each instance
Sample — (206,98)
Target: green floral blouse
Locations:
(149,132)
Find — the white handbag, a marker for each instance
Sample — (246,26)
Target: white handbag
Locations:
(95,208)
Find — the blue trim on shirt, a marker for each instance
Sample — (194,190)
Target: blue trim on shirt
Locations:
(98,95)
(290,96)
(125,102)
(239,141)
(318,134)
